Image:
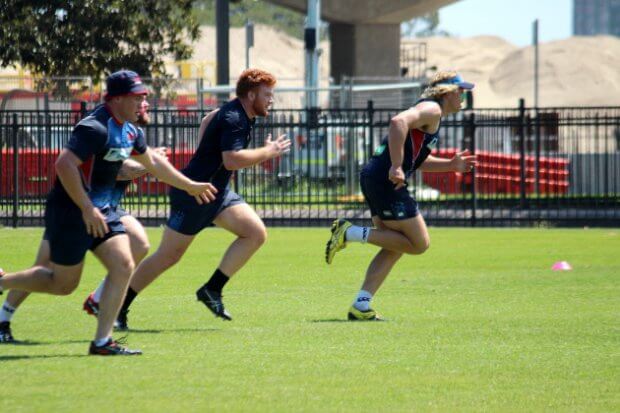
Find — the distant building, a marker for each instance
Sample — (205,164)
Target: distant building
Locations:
(592,17)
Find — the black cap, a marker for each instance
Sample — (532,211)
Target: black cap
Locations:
(124,82)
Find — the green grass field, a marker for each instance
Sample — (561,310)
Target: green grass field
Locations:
(478,323)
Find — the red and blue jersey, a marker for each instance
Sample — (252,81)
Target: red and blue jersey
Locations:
(102,143)
(417,147)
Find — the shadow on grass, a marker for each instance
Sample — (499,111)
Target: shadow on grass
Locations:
(170,330)
(340,320)
(24,343)
(40,356)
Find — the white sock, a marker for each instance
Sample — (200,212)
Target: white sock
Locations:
(102,341)
(98,291)
(7,312)
(357,234)
(362,302)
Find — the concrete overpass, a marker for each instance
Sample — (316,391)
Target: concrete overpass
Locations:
(365,34)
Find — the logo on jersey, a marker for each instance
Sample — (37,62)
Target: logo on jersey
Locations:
(120,140)
(379,150)
(432,144)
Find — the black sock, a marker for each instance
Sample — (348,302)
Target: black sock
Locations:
(131,295)
(217,281)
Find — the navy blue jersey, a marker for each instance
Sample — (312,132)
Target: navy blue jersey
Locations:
(117,193)
(102,143)
(229,130)
(417,146)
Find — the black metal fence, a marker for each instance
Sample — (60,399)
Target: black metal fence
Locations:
(545,166)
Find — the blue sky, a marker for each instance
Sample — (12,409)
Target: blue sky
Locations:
(510,19)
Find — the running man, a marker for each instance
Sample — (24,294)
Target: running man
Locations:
(398,228)
(87,170)
(137,238)
(225,135)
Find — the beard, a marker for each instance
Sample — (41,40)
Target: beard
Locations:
(260,110)
(143,119)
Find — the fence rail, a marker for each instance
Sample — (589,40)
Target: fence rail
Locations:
(544,166)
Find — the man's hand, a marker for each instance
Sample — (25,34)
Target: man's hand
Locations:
(161,151)
(94,221)
(203,192)
(463,161)
(397,177)
(278,147)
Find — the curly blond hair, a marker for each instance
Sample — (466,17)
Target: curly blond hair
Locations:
(435,89)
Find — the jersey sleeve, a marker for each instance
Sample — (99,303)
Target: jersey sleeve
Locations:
(86,141)
(139,144)
(234,131)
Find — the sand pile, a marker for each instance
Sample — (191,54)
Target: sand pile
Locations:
(574,71)
(273,50)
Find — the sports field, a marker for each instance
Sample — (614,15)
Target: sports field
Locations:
(478,323)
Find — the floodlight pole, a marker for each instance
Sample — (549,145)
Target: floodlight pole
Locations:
(311,39)
(536,62)
(249,41)
(222,44)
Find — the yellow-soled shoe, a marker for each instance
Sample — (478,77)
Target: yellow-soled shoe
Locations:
(357,315)
(337,240)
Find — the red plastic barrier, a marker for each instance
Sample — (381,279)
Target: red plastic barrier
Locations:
(501,173)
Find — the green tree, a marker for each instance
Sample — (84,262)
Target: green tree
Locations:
(94,37)
(423,26)
(290,22)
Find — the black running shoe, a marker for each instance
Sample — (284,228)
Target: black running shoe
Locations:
(5,332)
(111,348)
(121,321)
(213,301)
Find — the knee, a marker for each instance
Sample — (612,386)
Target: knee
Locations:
(123,267)
(67,287)
(258,236)
(141,249)
(419,248)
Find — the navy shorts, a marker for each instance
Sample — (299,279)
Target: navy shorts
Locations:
(66,232)
(387,203)
(189,218)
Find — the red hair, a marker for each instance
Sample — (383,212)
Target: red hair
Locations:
(253,78)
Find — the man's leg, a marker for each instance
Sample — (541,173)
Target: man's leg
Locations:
(115,255)
(414,229)
(15,297)
(172,247)
(241,220)
(139,248)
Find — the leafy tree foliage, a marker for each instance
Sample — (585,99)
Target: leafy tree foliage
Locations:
(94,37)
(290,22)
(423,26)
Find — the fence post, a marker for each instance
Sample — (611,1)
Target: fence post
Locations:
(15,170)
(537,160)
(370,107)
(470,126)
(82,109)
(522,163)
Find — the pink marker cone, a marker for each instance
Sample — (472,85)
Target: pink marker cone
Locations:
(561,266)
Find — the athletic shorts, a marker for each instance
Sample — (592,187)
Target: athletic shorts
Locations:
(121,212)
(190,219)
(387,203)
(66,232)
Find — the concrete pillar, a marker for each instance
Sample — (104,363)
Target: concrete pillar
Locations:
(364,50)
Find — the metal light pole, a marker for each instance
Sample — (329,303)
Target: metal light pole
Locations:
(311,38)
(249,41)
(222,44)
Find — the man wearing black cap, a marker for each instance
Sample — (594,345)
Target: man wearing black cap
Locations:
(398,226)
(87,169)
